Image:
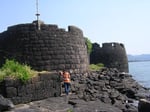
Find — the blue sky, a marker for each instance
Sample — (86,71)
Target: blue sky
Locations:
(123,21)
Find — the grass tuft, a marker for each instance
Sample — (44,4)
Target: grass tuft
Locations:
(15,70)
(96,67)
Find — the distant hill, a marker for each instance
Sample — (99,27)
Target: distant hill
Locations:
(142,57)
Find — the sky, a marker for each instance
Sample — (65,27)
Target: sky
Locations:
(122,21)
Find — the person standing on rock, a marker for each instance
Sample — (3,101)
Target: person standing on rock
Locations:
(67,80)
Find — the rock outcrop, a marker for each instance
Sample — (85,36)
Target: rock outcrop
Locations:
(111,87)
(106,90)
(5,104)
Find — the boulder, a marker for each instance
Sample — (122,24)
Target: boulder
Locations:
(5,104)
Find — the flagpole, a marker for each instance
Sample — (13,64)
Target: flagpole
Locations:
(37,14)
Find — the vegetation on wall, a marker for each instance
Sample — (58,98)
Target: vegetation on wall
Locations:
(96,67)
(89,45)
(15,70)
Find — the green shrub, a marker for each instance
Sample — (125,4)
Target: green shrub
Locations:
(95,67)
(2,75)
(89,45)
(15,70)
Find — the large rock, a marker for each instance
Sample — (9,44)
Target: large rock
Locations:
(144,105)
(93,106)
(5,104)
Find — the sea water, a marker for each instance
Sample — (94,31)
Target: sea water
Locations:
(140,72)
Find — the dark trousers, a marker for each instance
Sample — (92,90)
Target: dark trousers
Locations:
(67,87)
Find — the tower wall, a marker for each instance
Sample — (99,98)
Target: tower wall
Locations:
(50,48)
(112,55)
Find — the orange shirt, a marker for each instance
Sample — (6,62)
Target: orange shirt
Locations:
(66,77)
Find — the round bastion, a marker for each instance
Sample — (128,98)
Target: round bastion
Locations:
(112,55)
(50,48)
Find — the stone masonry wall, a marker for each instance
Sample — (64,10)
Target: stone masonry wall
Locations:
(112,55)
(40,87)
(50,48)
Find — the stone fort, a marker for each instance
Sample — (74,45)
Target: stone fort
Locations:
(51,49)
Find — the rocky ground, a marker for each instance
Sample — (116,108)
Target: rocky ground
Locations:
(59,104)
(106,90)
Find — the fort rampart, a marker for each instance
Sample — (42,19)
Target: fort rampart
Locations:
(42,86)
(112,55)
(50,48)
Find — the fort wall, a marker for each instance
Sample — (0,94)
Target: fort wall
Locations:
(50,48)
(42,86)
(112,55)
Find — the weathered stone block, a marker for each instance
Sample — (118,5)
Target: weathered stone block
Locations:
(38,85)
(11,92)
(9,82)
(30,88)
(21,90)
(35,79)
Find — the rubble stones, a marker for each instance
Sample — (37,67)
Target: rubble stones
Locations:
(101,91)
(111,87)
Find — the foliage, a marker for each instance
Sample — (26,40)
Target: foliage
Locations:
(89,45)
(69,110)
(14,70)
(2,75)
(96,67)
